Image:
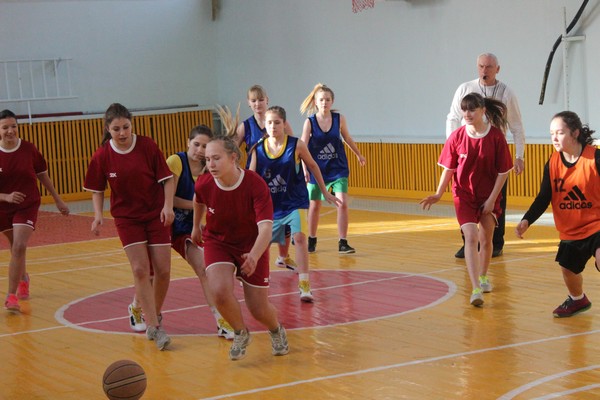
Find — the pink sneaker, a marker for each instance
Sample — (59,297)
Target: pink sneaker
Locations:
(23,289)
(12,303)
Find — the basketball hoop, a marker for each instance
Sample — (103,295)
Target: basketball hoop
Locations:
(359,5)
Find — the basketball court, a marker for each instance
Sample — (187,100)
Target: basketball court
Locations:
(392,321)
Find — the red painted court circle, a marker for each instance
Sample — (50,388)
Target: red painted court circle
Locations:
(341,297)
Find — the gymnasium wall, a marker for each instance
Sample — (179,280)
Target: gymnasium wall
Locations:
(68,144)
(394,67)
(406,170)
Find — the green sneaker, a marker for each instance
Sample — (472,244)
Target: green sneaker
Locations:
(485,284)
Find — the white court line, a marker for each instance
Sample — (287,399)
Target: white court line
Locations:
(398,365)
(513,393)
(59,315)
(568,392)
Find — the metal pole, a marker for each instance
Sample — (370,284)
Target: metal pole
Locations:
(565,61)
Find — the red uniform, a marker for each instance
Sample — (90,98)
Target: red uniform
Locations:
(477,162)
(232,218)
(135,175)
(18,172)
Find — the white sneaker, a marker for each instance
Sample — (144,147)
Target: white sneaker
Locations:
(305,293)
(224,330)
(238,347)
(477,297)
(136,319)
(279,342)
(159,336)
(286,262)
(485,284)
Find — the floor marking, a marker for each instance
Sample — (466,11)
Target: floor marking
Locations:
(399,365)
(513,393)
(59,315)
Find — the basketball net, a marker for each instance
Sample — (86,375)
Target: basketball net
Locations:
(359,5)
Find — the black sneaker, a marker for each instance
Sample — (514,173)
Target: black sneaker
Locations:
(460,253)
(344,247)
(312,244)
(497,253)
(571,307)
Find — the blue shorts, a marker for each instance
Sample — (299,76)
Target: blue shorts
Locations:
(338,186)
(292,221)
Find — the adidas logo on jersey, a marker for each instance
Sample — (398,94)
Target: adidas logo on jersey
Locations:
(327,153)
(278,185)
(575,200)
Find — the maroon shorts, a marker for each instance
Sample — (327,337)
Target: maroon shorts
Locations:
(469,212)
(220,253)
(152,232)
(25,216)
(179,244)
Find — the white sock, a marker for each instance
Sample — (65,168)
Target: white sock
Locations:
(577,297)
(134,303)
(303,277)
(215,313)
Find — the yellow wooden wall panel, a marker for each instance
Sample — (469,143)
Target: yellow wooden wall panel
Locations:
(392,169)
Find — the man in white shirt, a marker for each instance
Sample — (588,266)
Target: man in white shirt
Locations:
(488,86)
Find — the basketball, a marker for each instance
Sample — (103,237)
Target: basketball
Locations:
(124,380)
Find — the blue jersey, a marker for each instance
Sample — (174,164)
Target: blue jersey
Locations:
(284,176)
(327,148)
(184,219)
(252,134)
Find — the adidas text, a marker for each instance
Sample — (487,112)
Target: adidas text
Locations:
(571,205)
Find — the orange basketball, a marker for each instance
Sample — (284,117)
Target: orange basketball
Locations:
(124,380)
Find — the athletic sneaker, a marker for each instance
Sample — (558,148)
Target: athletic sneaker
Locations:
(238,347)
(12,303)
(312,244)
(344,247)
(305,293)
(159,336)
(485,284)
(286,262)
(477,297)
(23,289)
(571,307)
(279,342)
(136,319)
(460,253)
(224,330)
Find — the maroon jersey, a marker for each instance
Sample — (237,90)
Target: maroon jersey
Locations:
(233,213)
(476,162)
(18,173)
(134,176)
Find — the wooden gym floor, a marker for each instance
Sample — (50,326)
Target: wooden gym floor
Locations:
(389,322)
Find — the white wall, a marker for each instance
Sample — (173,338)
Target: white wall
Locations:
(394,68)
(142,53)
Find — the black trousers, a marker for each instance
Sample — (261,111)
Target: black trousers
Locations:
(498,239)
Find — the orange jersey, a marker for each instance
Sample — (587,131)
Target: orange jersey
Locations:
(576,195)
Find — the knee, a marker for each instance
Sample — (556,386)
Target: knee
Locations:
(18,249)
(140,271)
(300,239)
(344,206)
(163,274)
